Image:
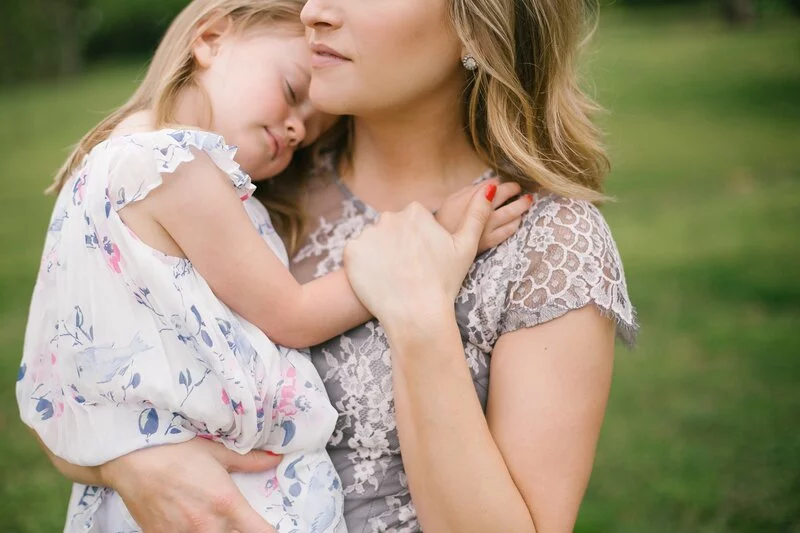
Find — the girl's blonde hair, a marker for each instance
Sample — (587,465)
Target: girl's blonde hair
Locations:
(526,113)
(173,69)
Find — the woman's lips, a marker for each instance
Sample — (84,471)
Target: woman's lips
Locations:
(325,56)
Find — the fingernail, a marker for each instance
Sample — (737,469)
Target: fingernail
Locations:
(529,197)
(491,190)
(273,454)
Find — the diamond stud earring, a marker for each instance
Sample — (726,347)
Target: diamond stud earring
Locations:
(469,63)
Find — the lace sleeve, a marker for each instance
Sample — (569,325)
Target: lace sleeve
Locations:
(564,258)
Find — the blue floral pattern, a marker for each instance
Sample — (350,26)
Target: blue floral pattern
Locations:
(127,347)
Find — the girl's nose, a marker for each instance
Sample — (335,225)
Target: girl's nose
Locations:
(295,131)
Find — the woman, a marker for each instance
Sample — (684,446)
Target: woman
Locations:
(537,313)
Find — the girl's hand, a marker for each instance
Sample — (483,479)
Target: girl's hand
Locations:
(504,220)
(408,264)
(187,488)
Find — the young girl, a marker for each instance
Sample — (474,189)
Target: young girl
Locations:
(164,289)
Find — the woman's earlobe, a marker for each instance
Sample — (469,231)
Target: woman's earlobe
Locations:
(468,58)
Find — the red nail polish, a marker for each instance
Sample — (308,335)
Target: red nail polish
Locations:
(529,197)
(491,190)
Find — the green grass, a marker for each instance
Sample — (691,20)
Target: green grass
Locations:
(702,429)
(701,432)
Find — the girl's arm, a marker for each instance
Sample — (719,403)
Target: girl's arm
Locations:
(198,212)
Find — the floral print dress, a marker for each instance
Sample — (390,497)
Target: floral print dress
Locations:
(127,348)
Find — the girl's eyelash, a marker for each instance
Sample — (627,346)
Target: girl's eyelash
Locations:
(292,95)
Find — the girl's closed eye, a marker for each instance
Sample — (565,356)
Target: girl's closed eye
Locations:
(291,95)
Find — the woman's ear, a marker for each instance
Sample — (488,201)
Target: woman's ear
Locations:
(208,40)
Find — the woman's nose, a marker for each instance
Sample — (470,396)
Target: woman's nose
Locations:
(320,14)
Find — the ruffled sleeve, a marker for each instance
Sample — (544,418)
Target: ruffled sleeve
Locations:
(564,258)
(142,159)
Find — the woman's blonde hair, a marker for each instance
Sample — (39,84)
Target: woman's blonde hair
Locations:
(525,111)
(172,70)
(527,115)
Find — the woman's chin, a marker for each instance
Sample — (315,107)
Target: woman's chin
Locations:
(330,100)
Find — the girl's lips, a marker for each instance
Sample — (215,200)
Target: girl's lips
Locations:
(277,144)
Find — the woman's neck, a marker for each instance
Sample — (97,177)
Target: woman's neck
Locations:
(421,154)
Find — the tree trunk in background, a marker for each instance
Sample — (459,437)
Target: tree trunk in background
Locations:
(41,38)
(69,33)
(739,12)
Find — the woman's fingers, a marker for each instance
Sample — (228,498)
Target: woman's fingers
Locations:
(187,488)
(505,191)
(477,214)
(509,213)
(253,461)
(244,519)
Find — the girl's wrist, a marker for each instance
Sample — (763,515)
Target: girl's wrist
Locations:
(419,322)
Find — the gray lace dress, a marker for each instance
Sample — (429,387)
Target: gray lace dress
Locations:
(562,258)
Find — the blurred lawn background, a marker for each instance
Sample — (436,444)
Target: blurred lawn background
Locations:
(703,428)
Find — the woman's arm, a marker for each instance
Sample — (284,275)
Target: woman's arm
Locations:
(524,466)
(530,457)
(86,475)
(181,488)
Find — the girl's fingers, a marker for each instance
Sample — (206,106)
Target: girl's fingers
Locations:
(509,213)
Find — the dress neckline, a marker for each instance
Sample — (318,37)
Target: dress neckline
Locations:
(371,211)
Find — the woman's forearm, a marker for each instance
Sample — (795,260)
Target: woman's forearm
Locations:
(87,475)
(457,475)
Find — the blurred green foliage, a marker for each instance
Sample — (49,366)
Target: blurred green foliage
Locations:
(51,38)
(129,27)
(40,38)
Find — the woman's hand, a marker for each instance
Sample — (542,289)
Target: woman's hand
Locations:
(504,220)
(187,488)
(408,264)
